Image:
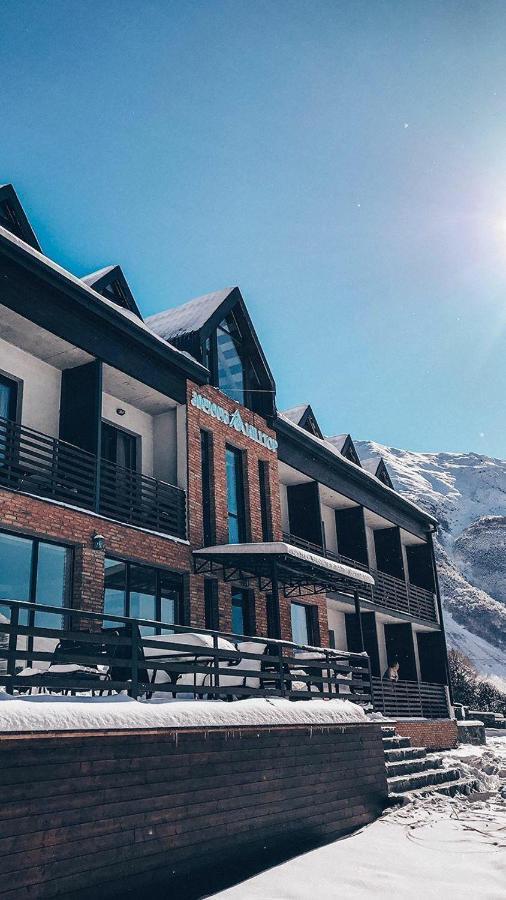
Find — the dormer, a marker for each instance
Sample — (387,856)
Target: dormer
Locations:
(344,444)
(217,330)
(112,284)
(376,466)
(13,217)
(304,417)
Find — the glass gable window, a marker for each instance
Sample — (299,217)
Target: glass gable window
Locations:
(235,496)
(231,373)
(38,572)
(142,592)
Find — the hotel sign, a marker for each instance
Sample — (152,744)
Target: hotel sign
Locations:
(233,420)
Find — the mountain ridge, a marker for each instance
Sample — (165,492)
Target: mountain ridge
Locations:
(466,492)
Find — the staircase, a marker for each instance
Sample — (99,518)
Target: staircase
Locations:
(411,769)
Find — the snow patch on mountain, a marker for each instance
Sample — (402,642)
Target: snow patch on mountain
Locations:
(466,492)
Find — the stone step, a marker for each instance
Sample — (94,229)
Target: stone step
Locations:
(393,743)
(399,753)
(449,789)
(412,766)
(400,784)
(388,731)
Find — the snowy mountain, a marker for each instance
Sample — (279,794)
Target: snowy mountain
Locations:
(467,494)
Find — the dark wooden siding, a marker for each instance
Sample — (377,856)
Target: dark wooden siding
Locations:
(94,814)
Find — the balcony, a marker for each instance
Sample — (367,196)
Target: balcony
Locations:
(35,463)
(390,592)
(408,598)
(410,698)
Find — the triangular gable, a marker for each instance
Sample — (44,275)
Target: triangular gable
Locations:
(346,447)
(376,466)
(112,284)
(13,217)
(304,417)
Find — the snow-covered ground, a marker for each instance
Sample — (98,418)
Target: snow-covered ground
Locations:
(47,712)
(435,847)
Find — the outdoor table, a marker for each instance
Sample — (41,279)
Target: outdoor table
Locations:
(201,642)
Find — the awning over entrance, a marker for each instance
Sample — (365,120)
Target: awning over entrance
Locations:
(296,570)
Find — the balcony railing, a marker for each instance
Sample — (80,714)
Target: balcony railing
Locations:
(35,463)
(410,698)
(98,652)
(408,598)
(388,591)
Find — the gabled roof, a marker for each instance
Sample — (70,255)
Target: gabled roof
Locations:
(190,324)
(111,283)
(304,417)
(189,318)
(376,466)
(344,444)
(14,218)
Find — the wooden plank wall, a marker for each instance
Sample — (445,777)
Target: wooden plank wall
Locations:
(92,814)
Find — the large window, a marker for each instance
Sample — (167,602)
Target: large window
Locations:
(38,572)
(243,616)
(235,496)
(142,592)
(303,624)
(207,487)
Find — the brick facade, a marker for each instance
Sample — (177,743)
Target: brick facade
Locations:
(45,519)
(434,734)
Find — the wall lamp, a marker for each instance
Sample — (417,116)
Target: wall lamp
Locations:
(120,411)
(98,542)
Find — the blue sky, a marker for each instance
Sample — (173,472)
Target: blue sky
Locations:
(344,163)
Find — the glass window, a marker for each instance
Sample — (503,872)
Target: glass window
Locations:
(142,584)
(241,612)
(115,588)
(35,571)
(230,365)
(53,582)
(8,397)
(235,496)
(142,592)
(301,624)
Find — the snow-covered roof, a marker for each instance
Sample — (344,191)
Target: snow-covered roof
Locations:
(95,276)
(338,441)
(371,464)
(295,413)
(326,444)
(99,298)
(188,318)
(277,548)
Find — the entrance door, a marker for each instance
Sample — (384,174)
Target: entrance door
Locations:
(120,485)
(399,645)
(431,654)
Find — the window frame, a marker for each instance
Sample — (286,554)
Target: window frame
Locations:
(159,572)
(206,471)
(311,613)
(248,611)
(240,484)
(36,540)
(17,384)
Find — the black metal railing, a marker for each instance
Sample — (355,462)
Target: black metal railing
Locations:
(110,653)
(394,593)
(35,463)
(388,591)
(410,698)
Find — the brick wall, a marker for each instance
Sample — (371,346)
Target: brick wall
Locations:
(92,815)
(434,734)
